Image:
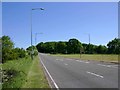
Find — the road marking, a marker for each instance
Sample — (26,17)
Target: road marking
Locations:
(113,66)
(65,63)
(82,61)
(95,74)
(60,59)
(49,74)
(69,59)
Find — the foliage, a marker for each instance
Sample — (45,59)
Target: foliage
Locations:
(36,77)
(21,53)
(32,50)
(61,47)
(8,50)
(74,46)
(114,46)
(15,72)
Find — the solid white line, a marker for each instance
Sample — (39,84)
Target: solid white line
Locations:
(95,74)
(49,74)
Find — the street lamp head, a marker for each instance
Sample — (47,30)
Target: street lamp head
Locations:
(42,8)
(38,9)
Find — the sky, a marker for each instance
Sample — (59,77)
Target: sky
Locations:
(60,21)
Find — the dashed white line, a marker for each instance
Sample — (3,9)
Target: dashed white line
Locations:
(69,59)
(49,75)
(65,63)
(60,59)
(113,66)
(82,61)
(95,74)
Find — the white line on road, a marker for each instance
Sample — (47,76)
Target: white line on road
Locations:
(56,59)
(69,59)
(49,74)
(65,64)
(95,74)
(82,61)
(60,59)
(113,66)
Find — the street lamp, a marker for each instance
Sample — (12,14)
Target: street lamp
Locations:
(89,40)
(31,29)
(36,37)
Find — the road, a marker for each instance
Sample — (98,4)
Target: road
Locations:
(75,73)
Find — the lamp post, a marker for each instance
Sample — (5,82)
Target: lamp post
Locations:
(89,41)
(36,37)
(31,29)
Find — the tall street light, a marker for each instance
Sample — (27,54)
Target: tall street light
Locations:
(31,30)
(89,41)
(36,37)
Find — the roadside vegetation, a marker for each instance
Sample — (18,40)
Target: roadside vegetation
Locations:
(36,77)
(15,72)
(74,46)
(17,65)
(76,49)
(98,57)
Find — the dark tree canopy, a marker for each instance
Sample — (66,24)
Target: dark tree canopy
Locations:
(114,46)
(75,46)
(8,50)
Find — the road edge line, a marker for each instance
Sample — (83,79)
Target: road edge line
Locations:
(56,86)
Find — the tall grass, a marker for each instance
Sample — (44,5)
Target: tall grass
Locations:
(16,72)
(24,73)
(36,77)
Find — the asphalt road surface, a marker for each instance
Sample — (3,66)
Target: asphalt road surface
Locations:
(75,73)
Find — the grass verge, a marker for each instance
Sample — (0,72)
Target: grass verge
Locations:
(23,73)
(15,72)
(36,77)
(98,57)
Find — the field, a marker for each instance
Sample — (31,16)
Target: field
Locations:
(22,73)
(98,57)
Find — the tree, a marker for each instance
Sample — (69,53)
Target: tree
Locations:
(101,49)
(7,46)
(21,53)
(61,47)
(31,49)
(40,47)
(73,46)
(114,46)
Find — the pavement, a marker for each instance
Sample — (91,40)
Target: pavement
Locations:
(75,73)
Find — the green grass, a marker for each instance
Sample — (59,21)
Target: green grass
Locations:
(26,73)
(18,69)
(99,57)
(36,77)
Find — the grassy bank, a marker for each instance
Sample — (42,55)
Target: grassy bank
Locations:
(36,77)
(99,57)
(23,73)
(15,72)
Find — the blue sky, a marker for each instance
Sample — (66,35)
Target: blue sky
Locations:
(60,22)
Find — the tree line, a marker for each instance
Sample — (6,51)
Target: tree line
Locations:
(9,52)
(74,46)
